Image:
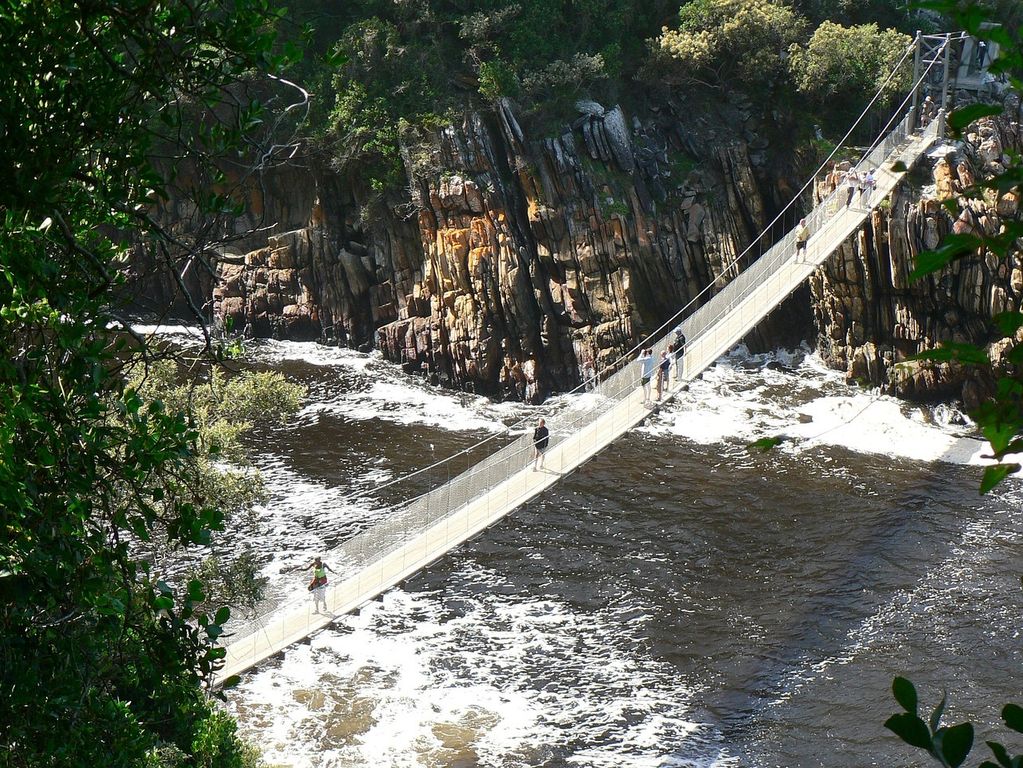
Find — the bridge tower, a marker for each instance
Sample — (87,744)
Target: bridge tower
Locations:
(932,55)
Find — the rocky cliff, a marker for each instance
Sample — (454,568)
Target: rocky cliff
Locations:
(869,315)
(513,263)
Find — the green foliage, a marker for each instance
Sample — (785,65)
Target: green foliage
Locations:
(565,78)
(235,581)
(849,63)
(496,80)
(953,247)
(681,166)
(765,444)
(416,61)
(1000,417)
(100,663)
(375,63)
(386,77)
(616,208)
(959,119)
(216,744)
(967,354)
(949,746)
(221,412)
(734,42)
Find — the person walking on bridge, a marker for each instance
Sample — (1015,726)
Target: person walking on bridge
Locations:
(852,179)
(318,583)
(541,436)
(802,236)
(867,184)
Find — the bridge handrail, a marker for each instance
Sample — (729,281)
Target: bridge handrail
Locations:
(420,513)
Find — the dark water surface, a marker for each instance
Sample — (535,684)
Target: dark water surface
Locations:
(677,602)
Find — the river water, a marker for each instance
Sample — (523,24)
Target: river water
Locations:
(679,601)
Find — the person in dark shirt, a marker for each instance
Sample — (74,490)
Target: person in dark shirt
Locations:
(540,438)
(679,351)
(663,368)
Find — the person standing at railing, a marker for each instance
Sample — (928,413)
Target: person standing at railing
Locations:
(802,236)
(680,349)
(541,436)
(867,184)
(927,111)
(318,584)
(646,368)
(851,180)
(663,368)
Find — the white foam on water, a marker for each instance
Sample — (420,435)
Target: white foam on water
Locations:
(272,352)
(167,329)
(740,398)
(400,403)
(504,681)
(186,336)
(383,391)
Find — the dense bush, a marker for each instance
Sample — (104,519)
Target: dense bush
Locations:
(425,61)
(421,62)
(884,13)
(740,43)
(101,662)
(839,65)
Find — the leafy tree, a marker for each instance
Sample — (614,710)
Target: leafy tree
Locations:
(397,68)
(104,105)
(222,410)
(848,64)
(733,42)
(235,581)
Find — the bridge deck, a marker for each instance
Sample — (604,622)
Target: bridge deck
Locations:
(727,324)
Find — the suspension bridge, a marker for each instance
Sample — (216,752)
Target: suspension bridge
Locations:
(419,532)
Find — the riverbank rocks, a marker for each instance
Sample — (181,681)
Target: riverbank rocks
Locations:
(269,295)
(872,318)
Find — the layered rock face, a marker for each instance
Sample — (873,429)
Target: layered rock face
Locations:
(869,314)
(512,265)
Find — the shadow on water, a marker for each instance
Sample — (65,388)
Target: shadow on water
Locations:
(764,577)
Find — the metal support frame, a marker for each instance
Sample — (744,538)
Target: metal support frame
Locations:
(915,103)
(932,60)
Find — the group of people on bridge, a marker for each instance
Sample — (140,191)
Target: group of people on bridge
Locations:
(853,181)
(847,184)
(654,373)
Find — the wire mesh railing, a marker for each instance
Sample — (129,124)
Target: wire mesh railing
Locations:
(501,474)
